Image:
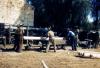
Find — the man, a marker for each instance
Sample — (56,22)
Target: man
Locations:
(77,36)
(72,39)
(18,39)
(96,39)
(50,34)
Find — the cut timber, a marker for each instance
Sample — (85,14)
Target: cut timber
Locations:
(44,65)
(88,54)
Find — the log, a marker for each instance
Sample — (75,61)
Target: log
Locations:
(44,64)
(40,38)
(88,54)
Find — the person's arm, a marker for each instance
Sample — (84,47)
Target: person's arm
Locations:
(48,34)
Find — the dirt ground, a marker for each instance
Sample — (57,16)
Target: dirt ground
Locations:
(60,59)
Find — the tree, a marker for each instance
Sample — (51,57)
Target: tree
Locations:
(61,14)
(68,13)
(80,11)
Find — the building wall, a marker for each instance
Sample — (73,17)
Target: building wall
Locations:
(14,12)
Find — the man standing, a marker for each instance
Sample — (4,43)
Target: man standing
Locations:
(77,36)
(51,39)
(50,34)
(18,39)
(72,39)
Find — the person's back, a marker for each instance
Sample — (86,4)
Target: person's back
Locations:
(50,34)
(71,35)
(72,39)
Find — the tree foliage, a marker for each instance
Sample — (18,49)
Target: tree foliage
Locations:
(61,13)
(68,13)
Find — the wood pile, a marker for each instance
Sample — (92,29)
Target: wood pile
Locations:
(88,54)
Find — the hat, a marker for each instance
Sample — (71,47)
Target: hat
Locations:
(19,25)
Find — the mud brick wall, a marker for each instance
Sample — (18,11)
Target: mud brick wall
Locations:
(16,11)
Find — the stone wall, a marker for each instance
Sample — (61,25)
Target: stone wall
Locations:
(16,11)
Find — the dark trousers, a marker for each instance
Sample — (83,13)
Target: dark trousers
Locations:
(73,43)
(18,44)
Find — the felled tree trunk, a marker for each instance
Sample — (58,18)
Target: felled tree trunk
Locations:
(88,54)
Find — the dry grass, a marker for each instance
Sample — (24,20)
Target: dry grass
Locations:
(60,59)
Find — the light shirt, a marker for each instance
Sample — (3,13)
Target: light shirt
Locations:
(50,33)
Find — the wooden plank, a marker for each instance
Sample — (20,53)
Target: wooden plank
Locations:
(40,38)
(57,41)
(44,64)
(31,38)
